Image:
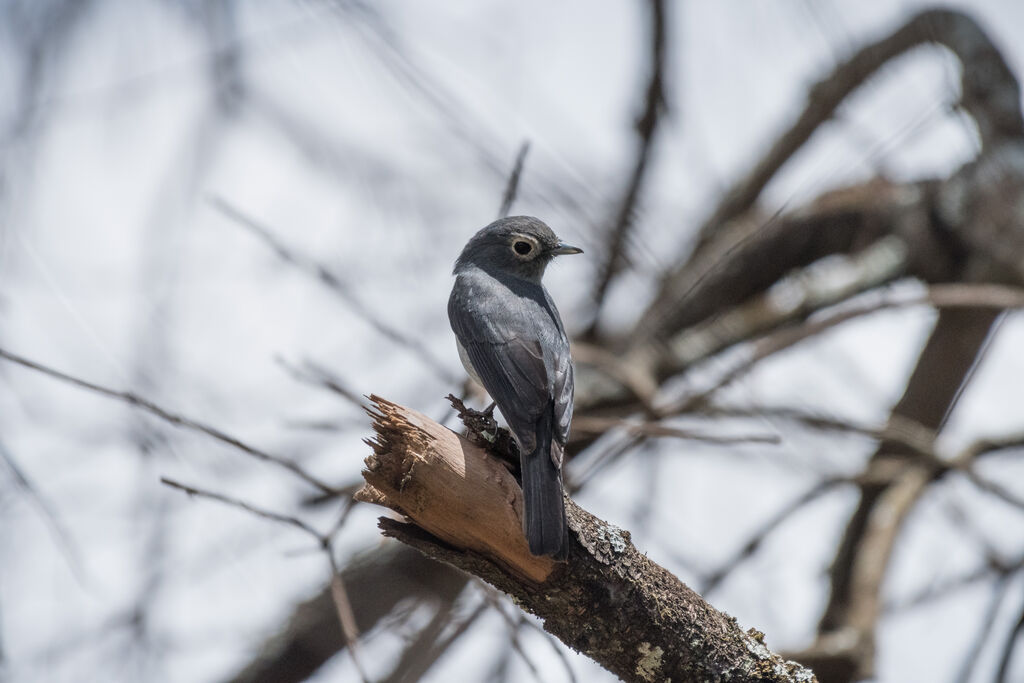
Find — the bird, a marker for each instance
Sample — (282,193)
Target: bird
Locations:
(511,340)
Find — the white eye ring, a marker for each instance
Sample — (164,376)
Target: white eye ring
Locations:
(524,247)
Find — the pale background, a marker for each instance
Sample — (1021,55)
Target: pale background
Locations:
(377,138)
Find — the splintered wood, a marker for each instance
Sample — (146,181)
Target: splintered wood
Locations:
(448,487)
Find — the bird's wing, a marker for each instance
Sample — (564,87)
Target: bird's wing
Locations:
(509,344)
(562,379)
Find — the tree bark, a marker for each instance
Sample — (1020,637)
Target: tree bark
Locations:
(313,634)
(608,601)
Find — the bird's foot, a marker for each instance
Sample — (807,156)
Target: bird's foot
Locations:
(483,430)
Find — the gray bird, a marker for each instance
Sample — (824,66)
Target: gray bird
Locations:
(511,341)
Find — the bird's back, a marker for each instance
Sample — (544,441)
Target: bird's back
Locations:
(515,323)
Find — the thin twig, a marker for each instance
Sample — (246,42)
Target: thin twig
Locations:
(1002,676)
(914,436)
(173,418)
(989,94)
(991,446)
(338,592)
(615,257)
(334,283)
(947,588)
(513,632)
(953,29)
(64,541)
(937,296)
(999,592)
(522,621)
(317,375)
(420,654)
(512,186)
(346,617)
(599,425)
(715,578)
(993,488)
(248,507)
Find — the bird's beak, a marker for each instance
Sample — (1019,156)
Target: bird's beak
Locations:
(563,249)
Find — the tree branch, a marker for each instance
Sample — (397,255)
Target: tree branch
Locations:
(380,579)
(990,94)
(609,602)
(512,184)
(173,418)
(615,258)
(338,593)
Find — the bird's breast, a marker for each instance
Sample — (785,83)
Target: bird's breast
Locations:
(466,363)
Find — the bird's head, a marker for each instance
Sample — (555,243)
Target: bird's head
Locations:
(521,246)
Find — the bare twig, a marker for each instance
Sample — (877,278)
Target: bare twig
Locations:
(937,296)
(334,283)
(1002,675)
(172,418)
(517,624)
(379,580)
(615,257)
(318,375)
(991,446)
(941,590)
(512,625)
(461,627)
(804,293)
(248,507)
(599,425)
(713,580)
(985,76)
(340,596)
(998,599)
(512,186)
(64,541)
(990,94)
(997,490)
(915,437)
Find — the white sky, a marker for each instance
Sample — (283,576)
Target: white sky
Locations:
(115,267)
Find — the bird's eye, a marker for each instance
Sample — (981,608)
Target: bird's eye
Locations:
(522,248)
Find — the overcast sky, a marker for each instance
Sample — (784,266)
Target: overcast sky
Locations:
(376,140)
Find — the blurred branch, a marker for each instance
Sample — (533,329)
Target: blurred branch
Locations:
(1003,675)
(616,244)
(845,647)
(793,298)
(990,94)
(317,375)
(378,580)
(512,186)
(911,435)
(747,550)
(523,622)
(601,425)
(172,418)
(338,593)
(248,507)
(426,648)
(745,268)
(937,296)
(63,539)
(334,283)
(995,567)
(987,95)
(465,509)
(493,599)
(999,594)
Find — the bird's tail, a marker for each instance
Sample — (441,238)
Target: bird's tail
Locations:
(544,508)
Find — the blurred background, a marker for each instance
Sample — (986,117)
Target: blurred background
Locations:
(246,213)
